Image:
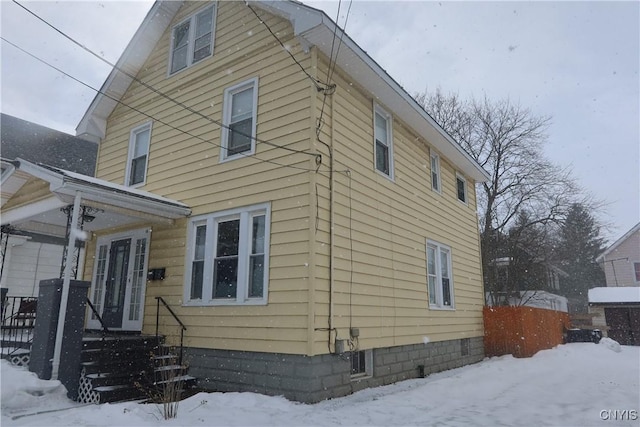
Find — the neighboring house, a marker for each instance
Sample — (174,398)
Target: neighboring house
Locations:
(535,298)
(617,312)
(313,228)
(28,256)
(621,260)
(40,144)
(526,280)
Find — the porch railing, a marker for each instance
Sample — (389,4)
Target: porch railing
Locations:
(182,327)
(18,322)
(105,330)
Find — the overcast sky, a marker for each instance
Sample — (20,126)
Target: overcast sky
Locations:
(574,61)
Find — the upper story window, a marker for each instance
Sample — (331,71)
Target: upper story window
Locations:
(435,172)
(139,139)
(192,39)
(461,188)
(239,120)
(228,257)
(440,284)
(383,137)
(636,269)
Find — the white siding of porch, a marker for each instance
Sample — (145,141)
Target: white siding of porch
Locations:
(30,263)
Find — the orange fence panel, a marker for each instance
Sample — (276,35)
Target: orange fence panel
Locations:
(522,331)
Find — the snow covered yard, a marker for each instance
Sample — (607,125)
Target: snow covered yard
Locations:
(579,384)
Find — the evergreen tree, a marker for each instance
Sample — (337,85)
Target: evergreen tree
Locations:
(579,243)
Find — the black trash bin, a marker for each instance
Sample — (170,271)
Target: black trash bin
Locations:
(584,335)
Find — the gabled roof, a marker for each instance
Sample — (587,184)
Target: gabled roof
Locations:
(313,28)
(618,242)
(36,143)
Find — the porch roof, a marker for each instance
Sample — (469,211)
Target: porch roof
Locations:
(115,205)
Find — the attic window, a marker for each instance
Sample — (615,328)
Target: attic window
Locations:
(192,39)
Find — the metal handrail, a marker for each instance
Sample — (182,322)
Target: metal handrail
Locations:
(182,327)
(18,323)
(95,312)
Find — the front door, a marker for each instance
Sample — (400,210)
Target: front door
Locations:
(116,284)
(119,281)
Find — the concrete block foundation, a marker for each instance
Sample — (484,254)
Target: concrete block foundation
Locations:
(310,379)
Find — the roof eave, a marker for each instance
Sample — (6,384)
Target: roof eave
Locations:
(314,27)
(93,125)
(61,184)
(618,242)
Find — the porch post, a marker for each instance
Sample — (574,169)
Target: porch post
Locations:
(66,280)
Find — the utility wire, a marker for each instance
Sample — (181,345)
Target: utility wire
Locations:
(253,156)
(332,68)
(344,28)
(158,92)
(316,82)
(333,42)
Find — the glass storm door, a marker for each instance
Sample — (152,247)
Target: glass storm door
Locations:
(119,279)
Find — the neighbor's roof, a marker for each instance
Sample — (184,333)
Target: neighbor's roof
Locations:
(623,294)
(40,144)
(618,242)
(313,27)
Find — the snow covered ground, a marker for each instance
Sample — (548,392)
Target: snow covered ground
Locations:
(580,384)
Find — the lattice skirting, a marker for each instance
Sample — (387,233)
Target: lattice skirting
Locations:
(21,359)
(86,394)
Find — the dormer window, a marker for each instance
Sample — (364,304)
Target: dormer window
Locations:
(192,39)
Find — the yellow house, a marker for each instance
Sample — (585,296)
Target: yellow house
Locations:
(310,225)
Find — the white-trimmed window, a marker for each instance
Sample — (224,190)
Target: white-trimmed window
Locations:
(636,270)
(239,120)
(228,257)
(383,141)
(192,39)
(435,172)
(461,188)
(139,141)
(439,277)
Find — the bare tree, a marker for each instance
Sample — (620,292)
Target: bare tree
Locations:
(507,140)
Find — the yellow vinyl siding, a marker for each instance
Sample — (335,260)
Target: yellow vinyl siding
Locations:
(386,294)
(183,167)
(382,224)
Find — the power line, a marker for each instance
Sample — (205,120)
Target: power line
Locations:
(316,82)
(331,69)
(344,28)
(252,156)
(156,91)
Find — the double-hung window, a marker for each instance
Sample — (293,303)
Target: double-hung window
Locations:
(228,257)
(192,40)
(383,140)
(636,270)
(439,280)
(139,139)
(239,120)
(461,188)
(435,172)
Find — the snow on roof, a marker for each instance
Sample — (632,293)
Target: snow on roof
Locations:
(620,294)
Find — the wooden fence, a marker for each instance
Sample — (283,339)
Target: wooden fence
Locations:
(522,331)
